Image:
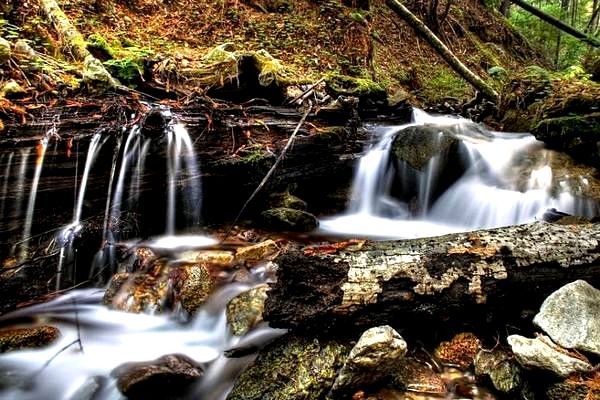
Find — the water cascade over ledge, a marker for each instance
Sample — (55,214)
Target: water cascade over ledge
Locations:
(452,175)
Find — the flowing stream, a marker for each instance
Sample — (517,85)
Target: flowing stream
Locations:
(392,197)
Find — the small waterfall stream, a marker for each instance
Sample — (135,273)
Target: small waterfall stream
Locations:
(391,198)
(488,194)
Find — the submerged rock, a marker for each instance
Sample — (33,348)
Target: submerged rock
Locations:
(168,377)
(245,311)
(570,316)
(542,353)
(419,144)
(460,351)
(502,370)
(415,376)
(288,219)
(27,338)
(291,368)
(373,358)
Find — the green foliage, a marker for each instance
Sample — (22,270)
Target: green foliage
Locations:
(444,83)
(563,49)
(576,72)
(498,72)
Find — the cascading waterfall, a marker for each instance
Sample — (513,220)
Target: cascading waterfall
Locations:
(39,164)
(5,179)
(487,195)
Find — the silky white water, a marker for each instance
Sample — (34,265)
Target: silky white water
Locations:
(487,195)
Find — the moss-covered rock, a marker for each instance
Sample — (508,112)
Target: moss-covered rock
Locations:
(291,368)
(504,372)
(5,51)
(245,310)
(287,200)
(578,136)
(27,338)
(192,284)
(288,219)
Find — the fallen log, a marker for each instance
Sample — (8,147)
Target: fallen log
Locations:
(465,278)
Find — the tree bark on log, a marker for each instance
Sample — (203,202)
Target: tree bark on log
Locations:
(558,24)
(442,50)
(457,278)
(75,44)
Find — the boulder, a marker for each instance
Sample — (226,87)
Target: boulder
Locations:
(192,284)
(500,367)
(570,316)
(245,310)
(287,200)
(418,144)
(168,377)
(460,351)
(542,353)
(291,368)
(27,338)
(374,357)
(288,219)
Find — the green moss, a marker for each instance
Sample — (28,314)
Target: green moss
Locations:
(350,86)
(443,84)
(291,368)
(255,155)
(97,43)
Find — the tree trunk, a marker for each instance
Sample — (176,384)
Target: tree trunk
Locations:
(442,50)
(557,23)
(491,275)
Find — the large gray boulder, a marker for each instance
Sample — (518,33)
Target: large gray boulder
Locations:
(571,317)
(374,357)
(542,353)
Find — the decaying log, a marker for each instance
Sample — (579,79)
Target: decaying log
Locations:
(442,50)
(75,44)
(457,277)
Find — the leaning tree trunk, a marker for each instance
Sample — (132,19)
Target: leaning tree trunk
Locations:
(74,43)
(442,50)
(465,277)
(557,23)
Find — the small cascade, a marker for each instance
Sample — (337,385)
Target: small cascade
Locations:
(39,164)
(405,198)
(111,338)
(6,177)
(67,233)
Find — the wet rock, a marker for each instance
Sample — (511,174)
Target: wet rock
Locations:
(413,375)
(168,377)
(288,219)
(257,253)
(460,351)
(144,258)
(214,258)
(12,89)
(287,200)
(114,288)
(570,317)
(500,367)
(245,311)
(291,368)
(192,284)
(417,145)
(372,359)
(138,292)
(27,338)
(542,353)
(5,51)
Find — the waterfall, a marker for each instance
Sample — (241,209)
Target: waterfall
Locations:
(488,194)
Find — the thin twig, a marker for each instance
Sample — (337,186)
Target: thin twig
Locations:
(268,175)
(77,325)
